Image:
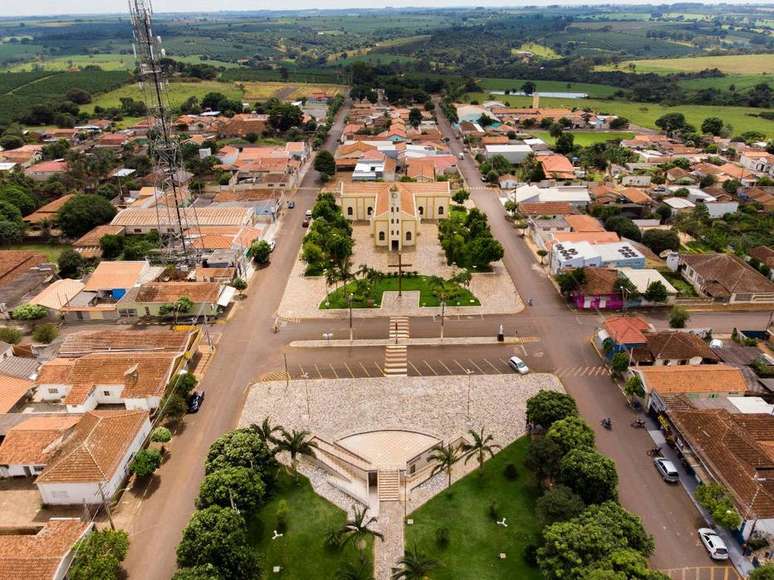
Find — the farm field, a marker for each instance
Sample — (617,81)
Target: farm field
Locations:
(730,64)
(109,61)
(593,90)
(539,50)
(645,114)
(585,138)
(286,91)
(740,82)
(178,93)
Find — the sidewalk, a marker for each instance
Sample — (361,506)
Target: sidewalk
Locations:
(689,483)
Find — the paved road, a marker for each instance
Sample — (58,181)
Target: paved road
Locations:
(246,346)
(666,510)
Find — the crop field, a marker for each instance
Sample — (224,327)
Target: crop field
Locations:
(645,114)
(12,81)
(178,93)
(539,50)
(740,82)
(16,52)
(730,64)
(592,90)
(626,42)
(109,61)
(286,91)
(370,53)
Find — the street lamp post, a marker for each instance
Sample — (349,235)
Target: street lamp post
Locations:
(305,376)
(443,312)
(349,301)
(469,373)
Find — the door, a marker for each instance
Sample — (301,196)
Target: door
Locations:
(395,247)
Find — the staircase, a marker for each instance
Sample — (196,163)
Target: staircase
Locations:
(388,482)
(395,354)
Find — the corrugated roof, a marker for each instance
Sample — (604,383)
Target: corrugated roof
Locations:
(112,340)
(204,216)
(115,275)
(169,292)
(694,379)
(58,293)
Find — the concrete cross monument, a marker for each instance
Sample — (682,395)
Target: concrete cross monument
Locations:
(400,265)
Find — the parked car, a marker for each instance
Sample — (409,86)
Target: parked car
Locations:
(666,470)
(518,365)
(308,214)
(291,204)
(305,223)
(195,401)
(462,155)
(715,545)
(272,245)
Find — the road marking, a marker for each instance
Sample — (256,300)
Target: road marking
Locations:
(432,370)
(440,362)
(335,374)
(303,372)
(379,370)
(494,367)
(351,374)
(318,370)
(475,365)
(464,370)
(414,367)
(365,370)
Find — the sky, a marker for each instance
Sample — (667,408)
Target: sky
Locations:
(57,7)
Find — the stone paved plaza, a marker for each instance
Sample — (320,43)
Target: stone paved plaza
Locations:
(495,290)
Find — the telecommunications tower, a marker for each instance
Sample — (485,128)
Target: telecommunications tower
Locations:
(173,219)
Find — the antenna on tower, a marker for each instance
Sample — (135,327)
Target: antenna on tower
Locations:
(172,218)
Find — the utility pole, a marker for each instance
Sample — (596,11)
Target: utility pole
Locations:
(469,373)
(107,506)
(305,376)
(443,312)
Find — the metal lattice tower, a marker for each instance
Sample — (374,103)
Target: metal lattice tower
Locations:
(173,219)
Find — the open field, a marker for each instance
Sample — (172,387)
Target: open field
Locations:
(731,64)
(262,91)
(592,90)
(178,93)
(645,114)
(354,55)
(740,82)
(301,551)
(109,61)
(51,251)
(475,539)
(538,50)
(585,138)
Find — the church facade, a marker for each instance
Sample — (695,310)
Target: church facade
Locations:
(394,210)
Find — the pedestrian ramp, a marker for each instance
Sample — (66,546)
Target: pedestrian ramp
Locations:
(703,573)
(396,354)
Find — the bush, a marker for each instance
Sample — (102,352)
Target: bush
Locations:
(494,511)
(529,555)
(678,317)
(70,264)
(29,312)
(240,487)
(161,435)
(10,335)
(282,516)
(715,499)
(442,538)
(510,472)
(99,555)
(45,333)
(547,407)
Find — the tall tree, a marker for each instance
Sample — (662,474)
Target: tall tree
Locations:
(414,565)
(444,457)
(480,446)
(296,443)
(358,529)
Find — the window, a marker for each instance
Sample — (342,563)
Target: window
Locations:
(440,210)
(370,210)
(381,236)
(137,230)
(408,236)
(53,391)
(421,210)
(349,210)
(106,393)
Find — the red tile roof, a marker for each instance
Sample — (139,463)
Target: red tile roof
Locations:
(626,329)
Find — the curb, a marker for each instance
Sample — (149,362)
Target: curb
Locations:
(475,340)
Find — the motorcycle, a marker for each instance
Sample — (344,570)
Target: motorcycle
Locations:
(638,424)
(655,451)
(607,423)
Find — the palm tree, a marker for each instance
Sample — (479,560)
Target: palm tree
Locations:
(266,431)
(296,443)
(445,458)
(358,528)
(480,447)
(414,565)
(362,569)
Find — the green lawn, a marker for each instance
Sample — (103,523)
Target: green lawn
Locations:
(456,294)
(593,90)
(684,289)
(585,138)
(645,114)
(539,50)
(301,551)
(475,540)
(178,93)
(740,82)
(51,251)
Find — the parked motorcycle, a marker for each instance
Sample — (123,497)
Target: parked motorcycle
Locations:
(638,423)
(655,451)
(607,423)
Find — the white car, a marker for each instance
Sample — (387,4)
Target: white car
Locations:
(518,365)
(715,545)
(272,245)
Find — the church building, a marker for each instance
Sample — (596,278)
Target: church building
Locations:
(394,210)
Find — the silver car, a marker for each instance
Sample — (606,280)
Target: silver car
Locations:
(518,365)
(667,470)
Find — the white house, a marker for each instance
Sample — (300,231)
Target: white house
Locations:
(92,464)
(761,161)
(569,255)
(576,195)
(513,153)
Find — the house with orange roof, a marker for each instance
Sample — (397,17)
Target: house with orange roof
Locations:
(244,124)
(625,333)
(155,299)
(760,161)
(45,170)
(557,166)
(136,380)
(47,213)
(26,155)
(692,381)
(28,445)
(41,551)
(93,462)
(421,169)
(394,210)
